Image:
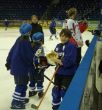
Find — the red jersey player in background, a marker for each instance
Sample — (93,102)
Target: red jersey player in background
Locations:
(76,28)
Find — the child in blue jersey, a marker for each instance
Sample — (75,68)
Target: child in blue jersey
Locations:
(19,61)
(52,29)
(40,62)
(67,60)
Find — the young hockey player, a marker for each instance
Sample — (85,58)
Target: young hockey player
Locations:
(6,24)
(67,53)
(19,61)
(76,30)
(38,77)
(52,29)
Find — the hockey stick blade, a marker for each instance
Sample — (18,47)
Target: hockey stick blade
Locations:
(34,106)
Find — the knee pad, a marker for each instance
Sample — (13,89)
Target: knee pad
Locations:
(39,86)
(56,92)
(20,88)
(32,84)
(39,83)
(56,96)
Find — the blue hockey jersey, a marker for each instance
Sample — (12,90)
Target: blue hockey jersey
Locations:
(67,53)
(36,48)
(20,57)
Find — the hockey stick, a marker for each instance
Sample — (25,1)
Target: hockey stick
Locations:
(37,107)
(49,79)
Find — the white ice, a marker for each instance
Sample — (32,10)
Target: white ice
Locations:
(7,86)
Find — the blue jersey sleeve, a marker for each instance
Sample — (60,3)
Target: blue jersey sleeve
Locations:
(9,57)
(8,60)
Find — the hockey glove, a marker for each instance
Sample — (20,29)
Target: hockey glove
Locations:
(7,66)
(41,62)
(52,58)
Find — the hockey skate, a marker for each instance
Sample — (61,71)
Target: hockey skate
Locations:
(40,94)
(32,93)
(17,105)
(26,100)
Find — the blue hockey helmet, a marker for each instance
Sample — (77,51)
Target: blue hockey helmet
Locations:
(37,36)
(25,28)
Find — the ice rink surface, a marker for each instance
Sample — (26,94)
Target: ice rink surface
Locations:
(7,86)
